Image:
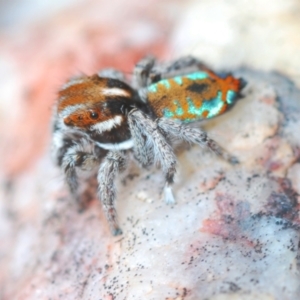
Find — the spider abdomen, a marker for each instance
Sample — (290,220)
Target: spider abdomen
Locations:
(196,96)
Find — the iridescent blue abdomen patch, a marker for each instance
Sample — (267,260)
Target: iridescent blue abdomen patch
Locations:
(195,96)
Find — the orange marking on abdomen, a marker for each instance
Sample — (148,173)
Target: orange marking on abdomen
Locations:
(225,84)
(168,98)
(205,114)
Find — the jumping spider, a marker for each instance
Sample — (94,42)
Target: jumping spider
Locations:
(99,118)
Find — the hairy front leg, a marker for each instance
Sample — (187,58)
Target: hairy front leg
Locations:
(162,151)
(109,169)
(80,155)
(143,145)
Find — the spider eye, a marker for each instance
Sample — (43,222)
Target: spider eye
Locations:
(94,115)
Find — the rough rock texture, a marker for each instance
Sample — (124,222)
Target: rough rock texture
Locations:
(234,232)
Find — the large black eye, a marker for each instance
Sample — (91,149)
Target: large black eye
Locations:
(94,115)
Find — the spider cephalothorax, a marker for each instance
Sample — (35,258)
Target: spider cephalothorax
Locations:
(101,117)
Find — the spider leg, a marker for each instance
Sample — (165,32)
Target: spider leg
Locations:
(110,167)
(194,135)
(79,155)
(141,72)
(112,73)
(146,71)
(143,145)
(181,66)
(162,151)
